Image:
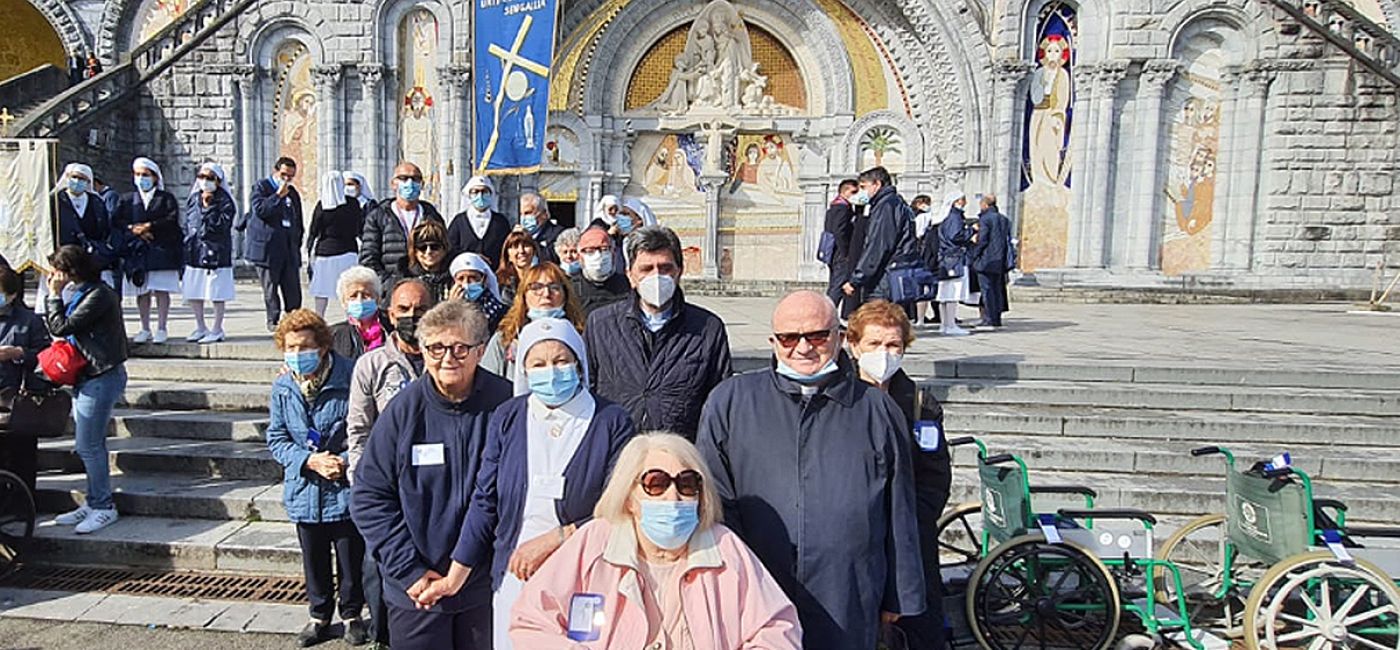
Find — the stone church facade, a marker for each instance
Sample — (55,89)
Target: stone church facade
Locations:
(1152,143)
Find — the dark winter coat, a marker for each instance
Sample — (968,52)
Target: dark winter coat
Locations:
(384,242)
(92,230)
(209,231)
(889,237)
(544,237)
(308,497)
(164,252)
(275,227)
(841,222)
(990,252)
(462,239)
(336,231)
(95,325)
(954,239)
(593,296)
(22,328)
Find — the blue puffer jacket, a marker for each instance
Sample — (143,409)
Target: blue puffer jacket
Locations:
(308,497)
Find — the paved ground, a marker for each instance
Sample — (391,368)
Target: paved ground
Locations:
(27,634)
(1283,336)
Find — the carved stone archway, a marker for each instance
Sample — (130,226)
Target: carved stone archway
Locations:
(66,24)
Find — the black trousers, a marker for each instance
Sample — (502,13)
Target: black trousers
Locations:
(281,288)
(417,630)
(374,597)
(837,277)
(994,299)
(317,543)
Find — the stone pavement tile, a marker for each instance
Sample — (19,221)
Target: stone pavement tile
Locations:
(152,610)
(261,547)
(146,541)
(46,605)
(263,617)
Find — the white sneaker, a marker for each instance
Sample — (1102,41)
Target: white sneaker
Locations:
(144,336)
(96,521)
(196,335)
(212,337)
(73,518)
(955,331)
(160,337)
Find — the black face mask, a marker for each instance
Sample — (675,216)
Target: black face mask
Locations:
(407,329)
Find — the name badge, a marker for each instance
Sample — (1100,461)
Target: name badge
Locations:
(585,617)
(428,455)
(549,487)
(286,223)
(929,434)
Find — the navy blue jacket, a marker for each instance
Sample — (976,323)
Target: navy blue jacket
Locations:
(22,328)
(162,253)
(309,497)
(274,231)
(661,378)
(91,230)
(209,231)
(993,240)
(462,239)
(954,238)
(889,236)
(410,515)
(498,504)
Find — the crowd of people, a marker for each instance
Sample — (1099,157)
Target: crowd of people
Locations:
(526,436)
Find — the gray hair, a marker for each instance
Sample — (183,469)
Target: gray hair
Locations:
(567,238)
(652,239)
(357,275)
(455,314)
(540,204)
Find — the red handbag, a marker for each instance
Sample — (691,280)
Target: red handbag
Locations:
(62,363)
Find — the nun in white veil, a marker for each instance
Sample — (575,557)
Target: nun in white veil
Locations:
(955,238)
(332,238)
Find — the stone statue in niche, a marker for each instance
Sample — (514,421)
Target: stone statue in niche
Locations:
(716,72)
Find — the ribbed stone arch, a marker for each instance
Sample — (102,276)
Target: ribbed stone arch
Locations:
(1259,32)
(1015,26)
(66,24)
(916,153)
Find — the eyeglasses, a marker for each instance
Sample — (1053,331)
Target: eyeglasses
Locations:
(402,179)
(459,350)
(595,249)
(655,482)
(540,287)
(790,339)
(428,247)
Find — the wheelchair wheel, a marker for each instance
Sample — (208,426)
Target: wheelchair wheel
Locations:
(1029,593)
(960,535)
(16,519)
(1198,552)
(1316,602)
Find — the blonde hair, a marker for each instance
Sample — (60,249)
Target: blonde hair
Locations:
(612,506)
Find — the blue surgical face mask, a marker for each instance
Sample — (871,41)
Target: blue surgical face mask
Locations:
(554,385)
(410,190)
(807,380)
(669,524)
(537,313)
(361,309)
(624,223)
(474,290)
(77,186)
(276,182)
(4,301)
(302,363)
(144,183)
(861,198)
(481,201)
(529,223)
(573,268)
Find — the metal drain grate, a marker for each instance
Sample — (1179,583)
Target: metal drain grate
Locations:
(166,584)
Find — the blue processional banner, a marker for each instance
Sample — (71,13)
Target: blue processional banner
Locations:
(512,50)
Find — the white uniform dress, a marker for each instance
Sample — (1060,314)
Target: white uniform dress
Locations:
(325,273)
(554,437)
(209,284)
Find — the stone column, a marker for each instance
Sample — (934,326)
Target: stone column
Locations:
(1081,160)
(709,248)
(809,268)
(1006,163)
(449,189)
(326,78)
(1143,214)
(461,79)
(1224,162)
(1248,123)
(371,81)
(1093,215)
(245,78)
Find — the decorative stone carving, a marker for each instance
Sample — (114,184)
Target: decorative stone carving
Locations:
(716,73)
(1156,74)
(326,76)
(371,74)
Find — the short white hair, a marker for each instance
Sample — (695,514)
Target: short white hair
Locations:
(612,505)
(356,276)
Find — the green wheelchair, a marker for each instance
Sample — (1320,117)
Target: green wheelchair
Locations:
(1283,569)
(1062,579)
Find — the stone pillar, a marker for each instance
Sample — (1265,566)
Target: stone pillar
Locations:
(1090,238)
(809,268)
(371,82)
(596,191)
(326,78)
(1248,125)
(1006,164)
(1224,162)
(461,132)
(709,248)
(444,118)
(1080,154)
(1143,214)
(245,78)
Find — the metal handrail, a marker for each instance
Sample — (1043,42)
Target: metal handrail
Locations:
(1384,60)
(148,60)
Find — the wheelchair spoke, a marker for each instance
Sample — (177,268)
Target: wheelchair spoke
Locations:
(1350,603)
(1352,638)
(1366,616)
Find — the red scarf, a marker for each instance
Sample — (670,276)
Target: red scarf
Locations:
(372,333)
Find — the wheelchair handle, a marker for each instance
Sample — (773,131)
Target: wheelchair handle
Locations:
(1108,513)
(998,459)
(1330,503)
(1205,451)
(958,442)
(1064,489)
(1277,473)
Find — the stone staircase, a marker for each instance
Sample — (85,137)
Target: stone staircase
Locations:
(186,33)
(198,489)
(1342,25)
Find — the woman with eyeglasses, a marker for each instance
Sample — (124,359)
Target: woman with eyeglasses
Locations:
(545,292)
(428,259)
(474,282)
(547,458)
(519,253)
(655,568)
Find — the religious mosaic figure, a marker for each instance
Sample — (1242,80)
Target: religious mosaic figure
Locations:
(1190,190)
(297,128)
(1047,158)
(671,173)
(716,72)
(417,131)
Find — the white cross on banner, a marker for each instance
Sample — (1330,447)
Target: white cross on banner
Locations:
(512,82)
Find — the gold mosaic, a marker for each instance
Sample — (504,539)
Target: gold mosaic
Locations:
(653,74)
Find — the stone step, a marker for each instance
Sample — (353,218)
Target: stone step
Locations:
(229,371)
(191,425)
(1015,369)
(179,395)
(265,548)
(1375,465)
(171,495)
(257,348)
(1323,401)
(229,460)
(1208,427)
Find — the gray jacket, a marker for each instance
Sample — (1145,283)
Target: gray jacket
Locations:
(379,375)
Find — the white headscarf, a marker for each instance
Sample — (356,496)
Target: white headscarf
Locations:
(603,205)
(148,164)
(479,221)
(218,172)
(366,193)
(67,171)
(949,199)
(548,329)
(642,210)
(474,262)
(332,190)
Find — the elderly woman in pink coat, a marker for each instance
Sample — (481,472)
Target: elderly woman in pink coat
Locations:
(655,569)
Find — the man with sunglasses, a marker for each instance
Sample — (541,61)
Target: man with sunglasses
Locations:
(274,240)
(813,467)
(414,482)
(384,239)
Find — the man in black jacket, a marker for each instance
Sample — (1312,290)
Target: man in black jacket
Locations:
(274,240)
(384,241)
(889,236)
(654,353)
(534,218)
(990,259)
(840,222)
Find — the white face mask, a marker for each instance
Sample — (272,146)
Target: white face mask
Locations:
(880,364)
(208,186)
(352,191)
(657,290)
(598,266)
